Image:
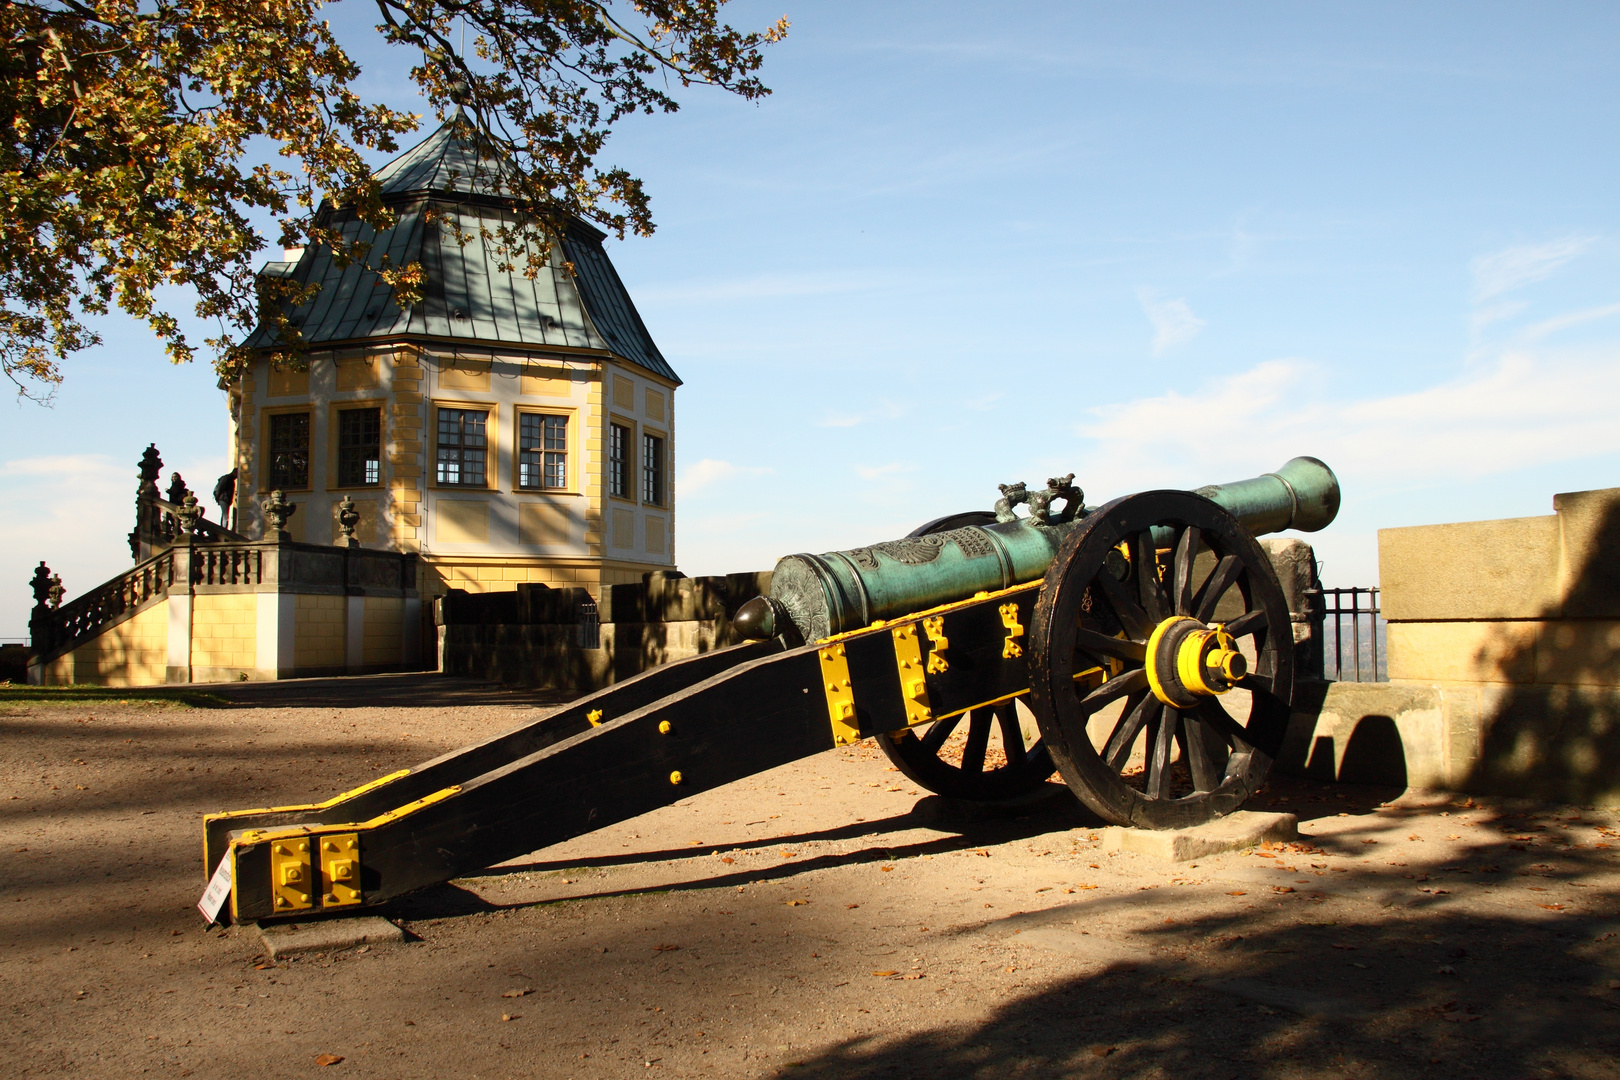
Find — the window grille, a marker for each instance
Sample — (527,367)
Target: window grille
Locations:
(463,447)
(618,477)
(359,447)
(652,469)
(289,450)
(542,451)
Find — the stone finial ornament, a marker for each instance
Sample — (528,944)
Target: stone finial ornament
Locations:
(56,591)
(41,584)
(276,511)
(189,514)
(151,466)
(348,517)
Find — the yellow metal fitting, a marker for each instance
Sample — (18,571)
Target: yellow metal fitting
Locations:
(840,694)
(1187,661)
(913,687)
(340,869)
(676,777)
(595,717)
(1009,618)
(665,727)
(290,874)
(935,628)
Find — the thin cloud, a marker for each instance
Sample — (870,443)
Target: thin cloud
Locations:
(888,410)
(879,472)
(1173,321)
(1514,267)
(711,471)
(1526,408)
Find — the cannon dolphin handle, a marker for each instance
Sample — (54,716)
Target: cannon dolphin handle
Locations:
(1161,605)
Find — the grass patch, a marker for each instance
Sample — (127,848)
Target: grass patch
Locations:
(80,694)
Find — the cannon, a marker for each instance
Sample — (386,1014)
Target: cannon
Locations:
(1142,649)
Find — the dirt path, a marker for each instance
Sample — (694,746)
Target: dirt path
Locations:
(825,919)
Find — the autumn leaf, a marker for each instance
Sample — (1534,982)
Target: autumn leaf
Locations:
(324,1060)
(883,974)
(519,992)
(665,948)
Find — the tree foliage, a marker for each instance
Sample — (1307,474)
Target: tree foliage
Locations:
(136,131)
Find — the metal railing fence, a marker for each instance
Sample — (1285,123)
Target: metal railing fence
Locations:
(1354,638)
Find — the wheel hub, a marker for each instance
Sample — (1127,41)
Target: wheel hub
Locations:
(1188,661)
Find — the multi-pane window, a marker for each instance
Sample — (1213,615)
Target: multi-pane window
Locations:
(359,447)
(289,450)
(463,447)
(542,451)
(652,469)
(618,477)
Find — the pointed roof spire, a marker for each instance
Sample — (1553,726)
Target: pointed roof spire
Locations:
(450,161)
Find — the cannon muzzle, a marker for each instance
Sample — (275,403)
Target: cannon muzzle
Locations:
(822,595)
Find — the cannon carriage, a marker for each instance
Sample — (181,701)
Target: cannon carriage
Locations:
(1141,649)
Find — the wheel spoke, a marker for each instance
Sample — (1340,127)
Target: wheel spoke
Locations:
(1181,581)
(1137,713)
(1247,623)
(1220,722)
(1102,644)
(978,738)
(1145,556)
(1158,780)
(1114,689)
(1220,579)
(1129,613)
(1012,735)
(940,732)
(1198,742)
(1255,683)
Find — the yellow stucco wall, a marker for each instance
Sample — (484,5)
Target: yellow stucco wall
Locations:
(382,642)
(318,631)
(133,653)
(223,627)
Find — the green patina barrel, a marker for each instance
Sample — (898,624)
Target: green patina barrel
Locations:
(844,590)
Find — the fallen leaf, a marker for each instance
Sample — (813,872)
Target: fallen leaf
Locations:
(1239,892)
(1551,907)
(1282,888)
(790,854)
(1264,855)
(851,907)
(1369,841)
(913,975)
(324,1060)
(1347,948)
(665,948)
(1103,1051)
(797,903)
(508,1016)
(519,992)
(886,869)
(1088,886)
(986,854)
(728,860)
(883,974)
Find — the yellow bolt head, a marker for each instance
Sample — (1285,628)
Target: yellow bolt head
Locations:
(676,777)
(665,727)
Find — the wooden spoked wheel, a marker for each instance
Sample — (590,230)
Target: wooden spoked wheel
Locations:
(1161,661)
(953,757)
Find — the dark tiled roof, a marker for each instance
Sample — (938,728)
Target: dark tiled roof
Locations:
(468,294)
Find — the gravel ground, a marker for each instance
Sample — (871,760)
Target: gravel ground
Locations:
(824,919)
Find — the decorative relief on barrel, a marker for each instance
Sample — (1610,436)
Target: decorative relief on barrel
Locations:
(915,551)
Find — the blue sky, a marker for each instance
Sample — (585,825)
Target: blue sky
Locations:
(965,244)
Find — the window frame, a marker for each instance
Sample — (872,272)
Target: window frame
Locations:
(654,468)
(568,485)
(335,439)
(491,417)
(267,419)
(627,494)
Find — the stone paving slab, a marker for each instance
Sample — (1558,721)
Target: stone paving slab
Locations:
(1244,829)
(328,935)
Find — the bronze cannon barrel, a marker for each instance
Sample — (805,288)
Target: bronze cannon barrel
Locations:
(837,591)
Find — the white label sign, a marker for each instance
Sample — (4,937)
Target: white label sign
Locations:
(219,887)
